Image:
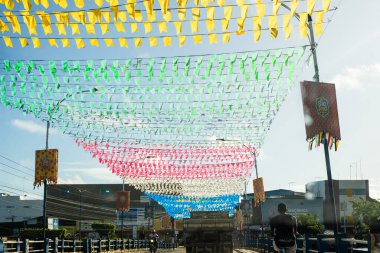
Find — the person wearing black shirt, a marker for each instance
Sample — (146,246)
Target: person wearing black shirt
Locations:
(284,229)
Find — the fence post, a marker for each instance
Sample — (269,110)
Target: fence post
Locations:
(2,249)
(108,247)
(74,246)
(46,245)
(18,245)
(26,245)
(307,243)
(55,245)
(319,244)
(85,246)
(62,245)
(99,245)
(369,242)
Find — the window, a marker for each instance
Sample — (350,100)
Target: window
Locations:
(104,192)
(27,206)
(65,192)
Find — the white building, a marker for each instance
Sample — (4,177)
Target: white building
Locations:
(19,208)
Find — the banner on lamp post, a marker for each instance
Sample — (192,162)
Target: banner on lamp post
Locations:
(123,201)
(46,166)
(258,188)
(321,113)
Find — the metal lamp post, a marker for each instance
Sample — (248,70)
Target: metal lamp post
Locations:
(50,115)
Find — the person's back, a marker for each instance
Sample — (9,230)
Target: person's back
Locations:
(284,227)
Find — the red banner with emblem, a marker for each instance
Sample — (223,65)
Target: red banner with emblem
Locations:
(123,201)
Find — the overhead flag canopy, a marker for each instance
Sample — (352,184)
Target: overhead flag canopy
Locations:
(185,129)
(137,23)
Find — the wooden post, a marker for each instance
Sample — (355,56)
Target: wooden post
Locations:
(26,245)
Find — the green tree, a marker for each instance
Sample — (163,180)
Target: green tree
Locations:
(309,224)
(366,215)
(104,229)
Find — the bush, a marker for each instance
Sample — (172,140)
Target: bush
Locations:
(104,229)
(309,224)
(38,233)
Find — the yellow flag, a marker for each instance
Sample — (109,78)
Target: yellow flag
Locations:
(151,17)
(164,5)
(45,18)
(148,6)
(12,19)
(130,7)
(210,25)
(244,11)
(162,27)
(212,38)
(52,43)
(221,2)
(24,42)
(122,16)
(325,5)
(90,29)
(288,31)
(45,3)
(99,3)
(123,42)
(114,2)
(147,27)
(205,3)
(226,37)
(27,4)
(181,40)
(94,42)
(119,27)
(210,13)
(228,12)
(167,16)
(109,42)
(256,28)
(260,10)
(153,42)
(3,26)
(65,42)
(286,20)
(310,6)
(182,3)
(61,29)
(197,39)
(167,41)
(79,42)
(182,14)
(79,3)
(104,28)
(30,22)
(139,16)
(115,11)
(293,7)
(9,4)
(196,12)
(79,16)
(63,17)
(7,41)
(303,24)
(134,27)
(318,27)
(276,7)
(63,4)
(138,42)
(273,28)
(240,23)
(194,26)
(94,16)
(240,2)
(178,26)
(74,28)
(106,16)
(196,2)
(225,23)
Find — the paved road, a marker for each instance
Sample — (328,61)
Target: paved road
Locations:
(182,250)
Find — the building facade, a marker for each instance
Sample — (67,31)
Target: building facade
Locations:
(345,192)
(19,209)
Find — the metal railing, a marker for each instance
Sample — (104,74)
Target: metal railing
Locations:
(318,244)
(79,246)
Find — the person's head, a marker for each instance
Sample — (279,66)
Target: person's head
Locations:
(282,208)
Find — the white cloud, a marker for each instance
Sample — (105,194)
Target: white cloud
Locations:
(357,78)
(31,127)
(92,175)
(76,179)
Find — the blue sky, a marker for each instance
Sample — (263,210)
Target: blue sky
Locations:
(347,55)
